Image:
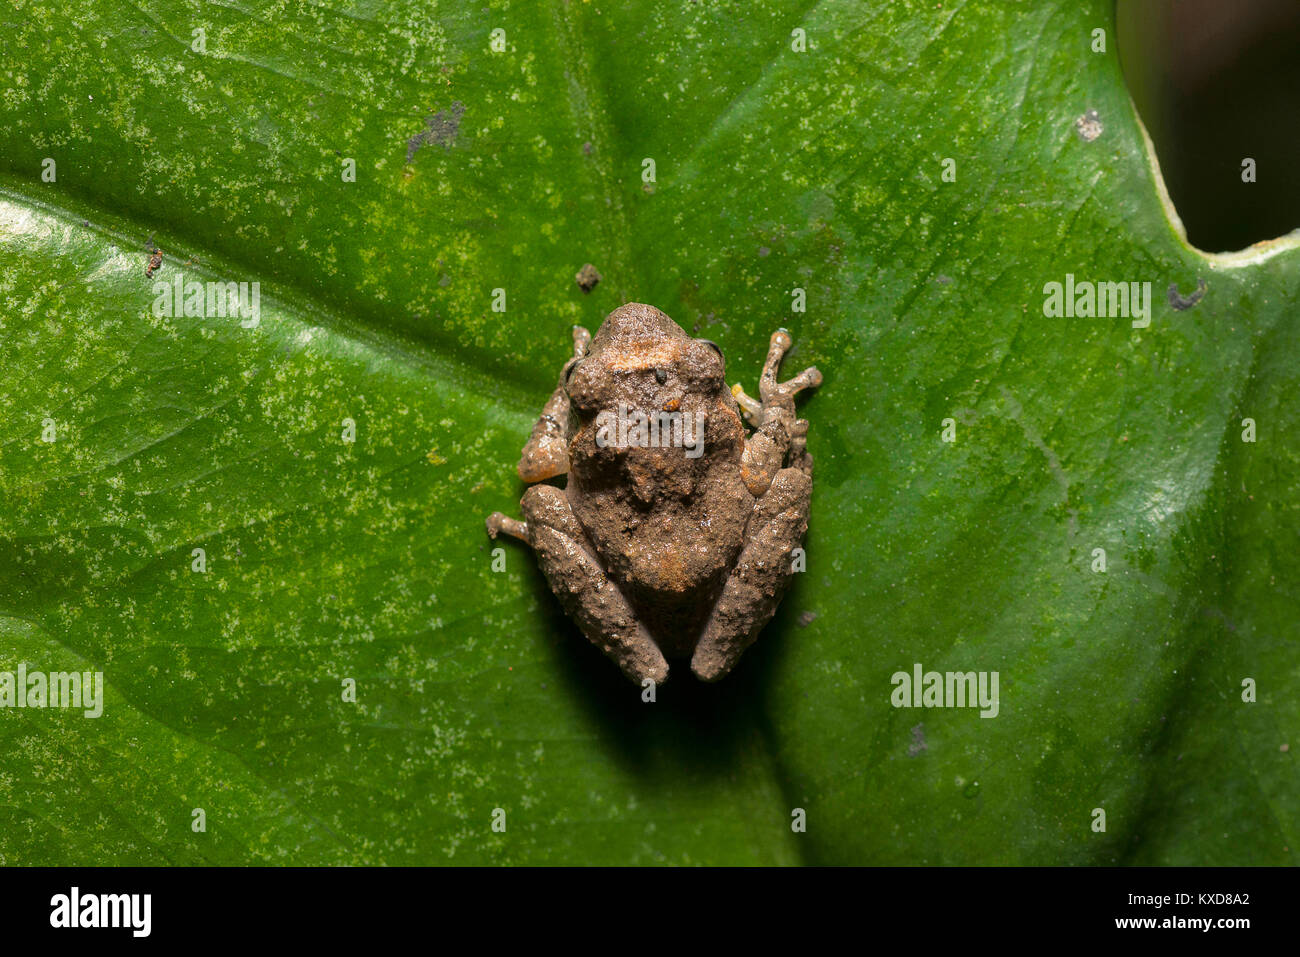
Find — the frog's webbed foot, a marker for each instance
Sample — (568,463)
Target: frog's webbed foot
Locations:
(762,573)
(579,581)
(546,453)
(773,392)
(779,434)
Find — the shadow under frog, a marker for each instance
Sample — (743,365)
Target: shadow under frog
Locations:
(692,730)
(673,537)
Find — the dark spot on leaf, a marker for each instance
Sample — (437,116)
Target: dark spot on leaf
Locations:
(918,741)
(587,277)
(441,128)
(1088,126)
(1181,302)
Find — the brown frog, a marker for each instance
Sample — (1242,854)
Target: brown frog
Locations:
(674,534)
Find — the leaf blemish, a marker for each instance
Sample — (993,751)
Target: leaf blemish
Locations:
(1088,126)
(918,741)
(1181,302)
(587,278)
(441,128)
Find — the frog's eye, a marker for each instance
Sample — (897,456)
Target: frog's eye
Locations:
(718,349)
(567,374)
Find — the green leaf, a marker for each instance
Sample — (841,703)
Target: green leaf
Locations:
(478,170)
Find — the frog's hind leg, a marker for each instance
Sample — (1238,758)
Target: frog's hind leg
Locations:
(578,580)
(546,453)
(799,457)
(762,573)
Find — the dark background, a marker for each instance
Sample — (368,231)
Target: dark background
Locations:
(1216,81)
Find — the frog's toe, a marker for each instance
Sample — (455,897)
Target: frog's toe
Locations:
(497,523)
(810,378)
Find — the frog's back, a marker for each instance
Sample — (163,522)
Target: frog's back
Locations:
(666,527)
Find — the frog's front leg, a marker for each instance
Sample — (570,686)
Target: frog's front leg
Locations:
(750,596)
(578,579)
(779,433)
(546,453)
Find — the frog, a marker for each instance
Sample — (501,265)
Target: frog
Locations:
(671,543)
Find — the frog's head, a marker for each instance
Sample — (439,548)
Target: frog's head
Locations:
(640,356)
